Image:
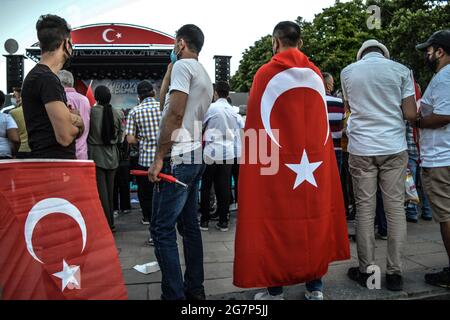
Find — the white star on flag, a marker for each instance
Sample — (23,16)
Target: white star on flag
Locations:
(304,170)
(67,275)
(119,35)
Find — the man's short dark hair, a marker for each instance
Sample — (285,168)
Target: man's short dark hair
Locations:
(446,49)
(17,89)
(145,90)
(193,36)
(222,89)
(288,33)
(2,98)
(52,31)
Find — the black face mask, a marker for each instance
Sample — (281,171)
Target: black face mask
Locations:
(431,62)
(69,59)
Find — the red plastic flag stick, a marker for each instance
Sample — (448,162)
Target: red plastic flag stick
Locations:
(162,176)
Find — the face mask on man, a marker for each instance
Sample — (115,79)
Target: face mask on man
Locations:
(14,101)
(69,55)
(173,57)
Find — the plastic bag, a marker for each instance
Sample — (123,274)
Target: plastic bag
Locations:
(411,191)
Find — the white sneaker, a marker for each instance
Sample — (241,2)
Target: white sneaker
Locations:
(315,295)
(116,213)
(267,296)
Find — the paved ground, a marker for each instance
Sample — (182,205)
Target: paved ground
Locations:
(424,252)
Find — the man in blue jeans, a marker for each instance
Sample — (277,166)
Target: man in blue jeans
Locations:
(179,153)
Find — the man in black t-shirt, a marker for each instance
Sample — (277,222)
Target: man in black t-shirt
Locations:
(52,127)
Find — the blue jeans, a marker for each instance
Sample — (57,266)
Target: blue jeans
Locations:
(314,285)
(175,205)
(411,208)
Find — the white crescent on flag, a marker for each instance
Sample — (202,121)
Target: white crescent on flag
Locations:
(284,81)
(46,207)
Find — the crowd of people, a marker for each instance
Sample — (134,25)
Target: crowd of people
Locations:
(380,126)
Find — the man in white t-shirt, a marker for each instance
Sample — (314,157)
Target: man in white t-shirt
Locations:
(179,153)
(222,145)
(380,94)
(435,141)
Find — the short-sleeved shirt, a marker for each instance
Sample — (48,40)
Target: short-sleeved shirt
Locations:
(190,77)
(143,123)
(435,143)
(222,132)
(6,123)
(375,87)
(42,86)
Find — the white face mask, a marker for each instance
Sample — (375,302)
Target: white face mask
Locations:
(14,101)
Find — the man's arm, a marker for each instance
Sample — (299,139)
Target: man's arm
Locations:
(67,126)
(14,138)
(171,122)
(165,87)
(433,121)
(409,107)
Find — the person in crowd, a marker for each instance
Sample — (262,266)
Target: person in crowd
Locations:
(122,195)
(412,209)
(434,125)
(336,115)
(222,132)
(19,118)
(179,153)
(279,212)
(52,127)
(104,134)
(143,129)
(380,95)
(80,103)
(9,134)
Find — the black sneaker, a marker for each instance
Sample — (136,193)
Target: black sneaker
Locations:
(195,297)
(357,276)
(222,226)
(394,282)
(439,279)
(204,225)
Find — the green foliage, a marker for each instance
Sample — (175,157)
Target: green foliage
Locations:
(335,35)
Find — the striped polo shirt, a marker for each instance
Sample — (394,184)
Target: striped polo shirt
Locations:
(336,115)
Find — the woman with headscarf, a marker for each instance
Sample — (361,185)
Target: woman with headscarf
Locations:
(104,134)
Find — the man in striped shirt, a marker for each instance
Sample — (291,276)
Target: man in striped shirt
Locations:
(336,115)
(143,129)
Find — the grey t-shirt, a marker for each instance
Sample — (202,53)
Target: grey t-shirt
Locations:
(190,77)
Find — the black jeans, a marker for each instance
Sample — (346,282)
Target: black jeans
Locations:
(235,176)
(220,176)
(122,187)
(145,194)
(347,187)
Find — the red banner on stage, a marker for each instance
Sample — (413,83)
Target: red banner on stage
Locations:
(55,242)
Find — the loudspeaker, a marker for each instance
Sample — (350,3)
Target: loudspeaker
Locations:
(222,68)
(14,71)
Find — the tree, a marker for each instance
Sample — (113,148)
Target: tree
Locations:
(335,35)
(252,59)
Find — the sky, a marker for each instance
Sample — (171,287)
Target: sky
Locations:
(230,26)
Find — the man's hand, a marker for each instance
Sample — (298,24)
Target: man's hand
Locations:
(74,111)
(154,170)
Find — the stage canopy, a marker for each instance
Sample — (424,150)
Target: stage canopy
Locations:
(116,51)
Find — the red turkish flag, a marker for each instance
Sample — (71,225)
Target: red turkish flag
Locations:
(90,95)
(55,242)
(291,224)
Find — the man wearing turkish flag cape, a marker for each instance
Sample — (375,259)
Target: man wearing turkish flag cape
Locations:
(55,242)
(291,224)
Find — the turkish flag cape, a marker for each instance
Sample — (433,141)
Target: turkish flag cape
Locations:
(288,229)
(55,242)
